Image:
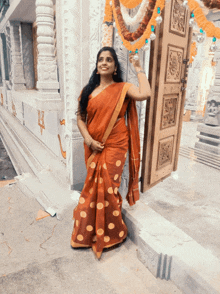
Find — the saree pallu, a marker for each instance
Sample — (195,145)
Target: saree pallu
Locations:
(98,219)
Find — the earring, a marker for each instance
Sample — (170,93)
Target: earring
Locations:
(115,73)
(97,73)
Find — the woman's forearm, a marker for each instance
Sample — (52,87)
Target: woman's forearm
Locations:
(143,91)
(144,86)
(84,131)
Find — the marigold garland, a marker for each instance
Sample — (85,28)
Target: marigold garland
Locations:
(130,21)
(141,42)
(202,22)
(107,32)
(207,26)
(108,12)
(193,52)
(140,30)
(130,3)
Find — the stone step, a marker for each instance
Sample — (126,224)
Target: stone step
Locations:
(47,191)
(169,253)
(201,156)
(202,152)
(27,153)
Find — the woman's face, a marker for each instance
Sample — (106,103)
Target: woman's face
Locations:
(106,63)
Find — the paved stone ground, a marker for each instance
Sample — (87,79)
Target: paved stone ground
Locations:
(35,256)
(190,197)
(189,132)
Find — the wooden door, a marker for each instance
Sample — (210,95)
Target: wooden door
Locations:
(167,75)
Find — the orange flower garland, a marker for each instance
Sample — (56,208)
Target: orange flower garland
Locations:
(108,12)
(107,26)
(130,3)
(141,42)
(139,32)
(107,32)
(207,26)
(193,52)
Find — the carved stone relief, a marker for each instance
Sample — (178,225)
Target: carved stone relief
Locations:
(165,152)
(169,112)
(13,108)
(41,121)
(14,54)
(174,64)
(47,65)
(178,18)
(96,14)
(212,116)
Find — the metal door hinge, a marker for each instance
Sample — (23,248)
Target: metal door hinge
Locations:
(185,61)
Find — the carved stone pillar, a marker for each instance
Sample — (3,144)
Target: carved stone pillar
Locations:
(17,73)
(46,65)
(209,137)
(194,80)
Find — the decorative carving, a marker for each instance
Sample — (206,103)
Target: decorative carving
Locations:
(174,64)
(165,152)
(178,18)
(169,112)
(13,109)
(41,121)
(61,148)
(96,13)
(213,111)
(15,53)
(47,65)
(62,122)
(47,73)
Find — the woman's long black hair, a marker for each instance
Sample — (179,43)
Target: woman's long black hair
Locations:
(94,80)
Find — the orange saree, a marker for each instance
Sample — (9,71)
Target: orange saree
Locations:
(98,219)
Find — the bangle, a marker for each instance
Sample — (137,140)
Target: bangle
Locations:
(140,71)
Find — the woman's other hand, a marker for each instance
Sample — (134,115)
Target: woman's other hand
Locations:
(136,63)
(142,92)
(97,146)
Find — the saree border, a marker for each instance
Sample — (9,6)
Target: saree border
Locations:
(112,121)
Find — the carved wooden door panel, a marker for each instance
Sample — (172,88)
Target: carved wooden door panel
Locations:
(164,112)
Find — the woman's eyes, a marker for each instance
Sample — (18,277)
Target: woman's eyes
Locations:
(108,59)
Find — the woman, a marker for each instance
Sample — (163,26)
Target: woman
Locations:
(102,107)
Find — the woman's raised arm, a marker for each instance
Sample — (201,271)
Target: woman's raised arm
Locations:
(142,92)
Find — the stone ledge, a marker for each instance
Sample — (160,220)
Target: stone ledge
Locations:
(39,100)
(207,147)
(169,253)
(208,129)
(34,156)
(47,191)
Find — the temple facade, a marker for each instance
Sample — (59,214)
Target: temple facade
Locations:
(48,51)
